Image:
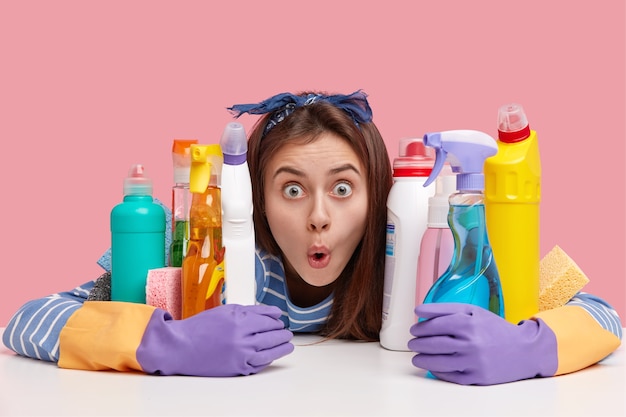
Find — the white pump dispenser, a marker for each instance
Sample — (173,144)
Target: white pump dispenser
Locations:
(237,225)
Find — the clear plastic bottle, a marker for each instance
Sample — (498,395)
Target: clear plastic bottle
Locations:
(203,266)
(181,200)
(407,212)
(237,223)
(512,198)
(472,276)
(437,244)
(137,238)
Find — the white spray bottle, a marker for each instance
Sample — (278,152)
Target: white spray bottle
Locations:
(237,225)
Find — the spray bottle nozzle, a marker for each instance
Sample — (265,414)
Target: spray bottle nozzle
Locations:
(466,151)
(206,166)
(181,158)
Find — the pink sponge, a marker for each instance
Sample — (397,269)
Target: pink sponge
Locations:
(163,289)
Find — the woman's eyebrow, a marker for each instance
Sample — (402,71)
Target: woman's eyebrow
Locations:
(344,167)
(288,170)
(333,171)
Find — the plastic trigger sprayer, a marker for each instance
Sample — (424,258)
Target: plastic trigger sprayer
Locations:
(472,276)
(203,269)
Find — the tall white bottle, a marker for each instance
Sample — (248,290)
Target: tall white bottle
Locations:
(237,225)
(437,246)
(407,215)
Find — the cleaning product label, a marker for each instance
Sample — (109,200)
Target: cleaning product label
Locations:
(390,265)
(390,245)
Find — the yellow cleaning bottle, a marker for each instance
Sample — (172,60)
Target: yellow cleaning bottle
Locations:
(512,197)
(203,266)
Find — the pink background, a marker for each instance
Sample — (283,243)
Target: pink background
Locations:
(89,88)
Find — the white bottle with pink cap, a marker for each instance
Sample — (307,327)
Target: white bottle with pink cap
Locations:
(407,215)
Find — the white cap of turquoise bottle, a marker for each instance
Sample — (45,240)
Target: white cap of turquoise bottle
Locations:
(137,183)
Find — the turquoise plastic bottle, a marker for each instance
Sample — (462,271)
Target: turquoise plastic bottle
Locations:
(472,276)
(137,238)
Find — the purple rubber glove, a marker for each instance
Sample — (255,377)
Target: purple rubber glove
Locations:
(228,340)
(469,345)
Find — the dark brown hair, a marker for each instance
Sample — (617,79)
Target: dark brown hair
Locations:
(358,293)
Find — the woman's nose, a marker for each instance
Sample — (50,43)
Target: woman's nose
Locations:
(319,218)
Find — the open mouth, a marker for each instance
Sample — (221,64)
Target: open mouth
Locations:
(319,259)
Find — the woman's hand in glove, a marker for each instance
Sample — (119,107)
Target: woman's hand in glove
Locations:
(467,344)
(228,340)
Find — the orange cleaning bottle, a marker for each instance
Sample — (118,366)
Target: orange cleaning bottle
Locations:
(512,197)
(203,266)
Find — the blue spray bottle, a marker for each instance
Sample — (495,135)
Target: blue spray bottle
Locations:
(472,276)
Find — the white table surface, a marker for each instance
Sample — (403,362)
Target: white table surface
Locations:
(330,378)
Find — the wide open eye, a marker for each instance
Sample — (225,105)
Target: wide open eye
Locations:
(293,191)
(342,189)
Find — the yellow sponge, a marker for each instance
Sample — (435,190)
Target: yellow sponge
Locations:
(559,279)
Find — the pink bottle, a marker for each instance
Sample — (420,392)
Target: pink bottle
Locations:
(437,245)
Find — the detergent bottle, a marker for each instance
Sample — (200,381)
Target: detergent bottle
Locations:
(512,197)
(472,276)
(407,212)
(137,238)
(181,200)
(237,224)
(437,245)
(203,266)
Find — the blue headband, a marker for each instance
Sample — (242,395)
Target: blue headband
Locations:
(282,105)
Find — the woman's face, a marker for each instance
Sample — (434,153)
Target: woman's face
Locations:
(316,205)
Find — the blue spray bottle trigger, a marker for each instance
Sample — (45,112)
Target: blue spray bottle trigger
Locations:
(465,150)
(434,140)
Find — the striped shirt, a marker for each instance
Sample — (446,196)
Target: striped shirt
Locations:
(34,329)
(271,290)
(600,310)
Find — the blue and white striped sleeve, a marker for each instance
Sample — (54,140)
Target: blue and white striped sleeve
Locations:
(600,310)
(34,329)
